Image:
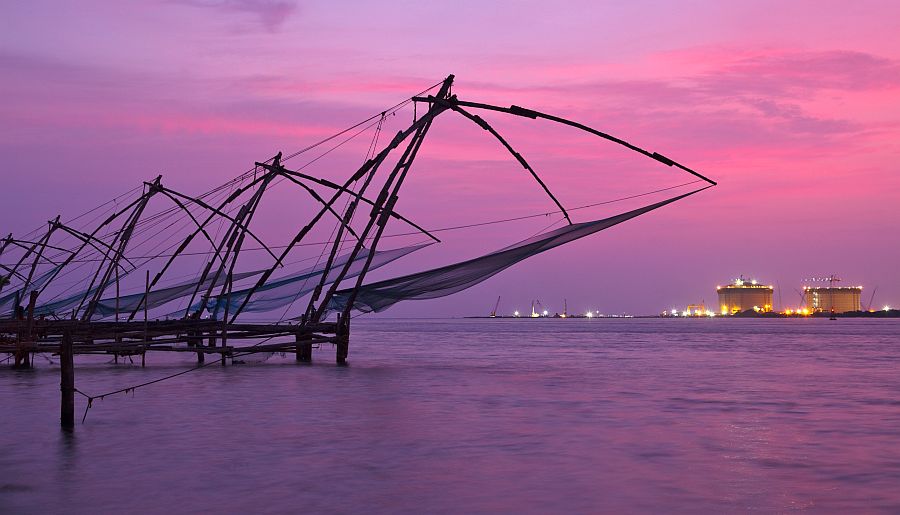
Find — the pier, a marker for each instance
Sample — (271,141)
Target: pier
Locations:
(201,337)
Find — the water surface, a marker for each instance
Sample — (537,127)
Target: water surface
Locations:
(475,416)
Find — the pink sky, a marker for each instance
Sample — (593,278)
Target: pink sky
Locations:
(794,109)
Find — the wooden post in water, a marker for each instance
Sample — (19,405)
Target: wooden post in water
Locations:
(225,319)
(304,347)
(118,338)
(201,356)
(343,342)
(146,320)
(67,382)
(23,356)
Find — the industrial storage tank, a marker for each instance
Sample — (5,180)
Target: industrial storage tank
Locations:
(742,295)
(842,299)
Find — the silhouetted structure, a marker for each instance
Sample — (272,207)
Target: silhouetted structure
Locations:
(71,274)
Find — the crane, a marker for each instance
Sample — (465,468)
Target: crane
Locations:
(871,298)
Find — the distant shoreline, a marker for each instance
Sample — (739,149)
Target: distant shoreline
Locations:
(893,313)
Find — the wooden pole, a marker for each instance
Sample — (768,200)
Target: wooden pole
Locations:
(201,356)
(67,382)
(117,295)
(343,342)
(29,328)
(304,348)
(23,358)
(118,339)
(225,318)
(146,319)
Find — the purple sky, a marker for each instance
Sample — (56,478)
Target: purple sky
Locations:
(794,108)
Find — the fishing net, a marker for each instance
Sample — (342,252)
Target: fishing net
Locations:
(8,301)
(284,291)
(270,296)
(446,280)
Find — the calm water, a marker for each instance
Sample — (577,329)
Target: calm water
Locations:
(474,416)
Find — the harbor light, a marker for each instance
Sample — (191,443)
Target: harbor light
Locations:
(887,308)
(515,313)
(589,314)
(545,312)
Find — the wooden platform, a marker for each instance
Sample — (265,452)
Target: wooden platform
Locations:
(202,337)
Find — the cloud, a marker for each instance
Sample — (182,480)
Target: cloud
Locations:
(836,69)
(793,118)
(772,100)
(272,13)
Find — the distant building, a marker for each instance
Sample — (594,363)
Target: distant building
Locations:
(842,298)
(743,295)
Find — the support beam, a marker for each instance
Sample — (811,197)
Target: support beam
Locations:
(225,319)
(486,126)
(304,348)
(343,342)
(23,349)
(530,113)
(380,214)
(67,382)
(366,169)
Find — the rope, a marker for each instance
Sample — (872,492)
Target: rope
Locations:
(91,398)
(442,229)
(250,171)
(548,213)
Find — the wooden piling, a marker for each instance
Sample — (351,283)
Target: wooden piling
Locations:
(29,326)
(146,318)
(304,348)
(225,319)
(23,347)
(67,382)
(343,342)
(212,343)
(343,348)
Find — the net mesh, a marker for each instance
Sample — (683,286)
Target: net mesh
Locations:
(282,292)
(446,280)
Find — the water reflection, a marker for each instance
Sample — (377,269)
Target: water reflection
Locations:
(479,416)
